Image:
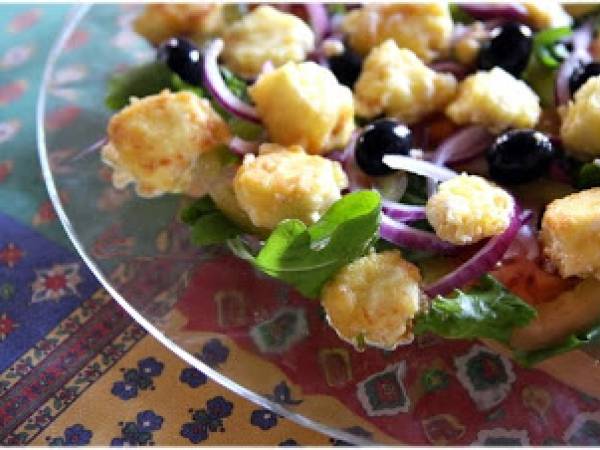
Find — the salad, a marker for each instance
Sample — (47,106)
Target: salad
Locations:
(415,168)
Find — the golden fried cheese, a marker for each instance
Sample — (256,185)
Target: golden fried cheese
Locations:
(424,28)
(571,234)
(155,141)
(287,183)
(395,82)
(374,300)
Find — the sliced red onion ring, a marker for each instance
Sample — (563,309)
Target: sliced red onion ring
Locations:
(487,11)
(318,19)
(218,89)
(462,146)
(457,69)
(404,236)
(242,147)
(403,212)
(419,167)
(581,40)
(526,242)
(482,262)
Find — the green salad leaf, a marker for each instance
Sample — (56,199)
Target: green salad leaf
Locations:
(307,257)
(486,310)
(139,81)
(547,55)
(177,84)
(209,224)
(589,176)
(547,46)
(570,343)
(459,15)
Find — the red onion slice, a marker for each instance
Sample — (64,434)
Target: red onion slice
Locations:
(218,89)
(419,167)
(487,11)
(402,235)
(403,212)
(482,262)
(581,40)
(318,19)
(242,147)
(462,146)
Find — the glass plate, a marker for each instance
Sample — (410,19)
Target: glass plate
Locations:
(249,333)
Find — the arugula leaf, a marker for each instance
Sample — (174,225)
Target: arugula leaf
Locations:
(209,225)
(571,342)
(459,15)
(336,8)
(180,85)
(548,48)
(307,257)
(139,81)
(236,85)
(487,310)
(589,175)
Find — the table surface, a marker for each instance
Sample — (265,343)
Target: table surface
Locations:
(61,360)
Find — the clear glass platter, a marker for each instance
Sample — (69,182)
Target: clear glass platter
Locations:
(249,333)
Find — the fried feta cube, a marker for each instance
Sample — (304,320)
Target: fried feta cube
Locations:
(468,208)
(395,82)
(571,234)
(287,183)
(266,34)
(496,100)
(425,28)
(303,104)
(547,14)
(155,141)
(373,300)
(580,129)
(160,21)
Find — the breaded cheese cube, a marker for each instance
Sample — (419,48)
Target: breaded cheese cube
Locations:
(547,14)
(373,300)
(468,208)
(160,21)
(580,129)
(425,28)
(287,183)
(303,104)
(266,34)
(395,81)
(571,234)
(155,142)
(496,100)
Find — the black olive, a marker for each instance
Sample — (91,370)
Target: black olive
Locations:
(346,66)
(519,156)
(581,74)
(183,57)
(509,47)
(380,138)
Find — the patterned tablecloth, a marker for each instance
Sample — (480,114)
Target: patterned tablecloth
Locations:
(75,369)
(68,353)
